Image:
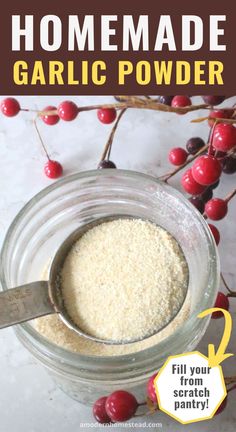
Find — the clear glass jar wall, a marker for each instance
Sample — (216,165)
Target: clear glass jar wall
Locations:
(53,214)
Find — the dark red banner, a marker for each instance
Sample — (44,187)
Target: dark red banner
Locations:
(102,47)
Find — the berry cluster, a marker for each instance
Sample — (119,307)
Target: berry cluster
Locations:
(51,115)
(68,111)
(117,407)
(121,405)
(209,161)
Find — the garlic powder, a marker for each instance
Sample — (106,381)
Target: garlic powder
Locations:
(124,279)
(154,268)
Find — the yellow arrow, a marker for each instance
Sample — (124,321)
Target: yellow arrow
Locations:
(215,358)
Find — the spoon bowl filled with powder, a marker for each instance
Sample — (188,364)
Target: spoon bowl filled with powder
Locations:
(124,280)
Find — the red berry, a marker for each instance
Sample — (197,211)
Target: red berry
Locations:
(121,406)
(194,144)
(213,100)
(10,107)
(206,170)
(181,102)
(190,185)
(215,233)
(225,114)
(106,115)
(99,411)
(224,137)
(151,389)
(50,119)
(177,156)
(105,164)
(68,110)
(216,208)
(53,169)
(222,302)
(222,406)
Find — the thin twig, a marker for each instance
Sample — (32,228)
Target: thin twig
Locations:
(230,380)
(40,138)
(210,149)
(231,388)
(219,120)
(29,110)
(142,403)
(230,196)
(107,148)
(225,284)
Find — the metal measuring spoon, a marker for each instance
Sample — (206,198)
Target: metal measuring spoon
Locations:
(36,299)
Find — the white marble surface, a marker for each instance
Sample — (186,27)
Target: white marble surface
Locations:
(29,401)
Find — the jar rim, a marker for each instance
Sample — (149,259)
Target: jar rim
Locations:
(146,356)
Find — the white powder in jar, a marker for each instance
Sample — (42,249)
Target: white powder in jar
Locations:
(121,280)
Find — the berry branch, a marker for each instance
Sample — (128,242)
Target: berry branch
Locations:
(139,103)
(167,176)
(52,168)
(179,105)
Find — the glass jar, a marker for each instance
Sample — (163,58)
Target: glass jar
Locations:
(52,215)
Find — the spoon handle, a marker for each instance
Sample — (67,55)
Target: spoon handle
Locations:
(25,303)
